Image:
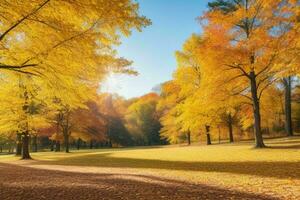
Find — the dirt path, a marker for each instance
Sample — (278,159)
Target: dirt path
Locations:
(22,182)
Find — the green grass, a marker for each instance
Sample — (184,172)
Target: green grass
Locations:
(274,170)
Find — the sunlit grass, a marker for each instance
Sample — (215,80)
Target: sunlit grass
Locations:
(283,149)
(274,170)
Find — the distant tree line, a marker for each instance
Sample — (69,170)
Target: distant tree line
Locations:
(109,121)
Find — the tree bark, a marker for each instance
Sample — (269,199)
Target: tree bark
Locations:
(219,134)
(52,145)
(66,140)
(230,130)
(67,150)
(288,106)
(34,143)
(57,145)
(189,138)
(25,149)
(208,140)
(91,144)
(259,143)
(110,143)
(78,143)
(19,145)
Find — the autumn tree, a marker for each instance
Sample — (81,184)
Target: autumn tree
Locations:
(245,41)
(142,120)
(171,127)
(76,51)
(195,98)
(296,108)
(87,27)
(23,112)
(287,84)
(112,109)
(175,94)
(90,125)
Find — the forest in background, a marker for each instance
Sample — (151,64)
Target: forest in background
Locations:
(236,80)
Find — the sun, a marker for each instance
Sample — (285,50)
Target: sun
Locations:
(111,84)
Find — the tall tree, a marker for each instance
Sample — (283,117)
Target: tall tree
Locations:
(143,120)
(167,105)
(287,82)
(22,113)
(255,33)
(77,48)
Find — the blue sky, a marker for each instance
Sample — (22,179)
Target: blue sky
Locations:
(152,50)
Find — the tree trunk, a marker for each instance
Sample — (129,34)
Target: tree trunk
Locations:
(208,140)
(25,149)
(219,134)
(91,144)
(66,140)
(230,130)
(259,143)
(110,143)
(189,138)
(52,145)
(19,145)
(288,106)
(34,143)
(78,143)
(57,145)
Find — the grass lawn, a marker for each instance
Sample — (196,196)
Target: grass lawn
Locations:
(272,172)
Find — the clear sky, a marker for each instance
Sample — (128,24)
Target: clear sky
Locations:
(152,50)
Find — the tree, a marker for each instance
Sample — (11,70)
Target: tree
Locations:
(89,125)
(85,28)
(176,93)
(255,33)
(195,96)
(272,109)
(142,120)
(296,108)
(22,113)
(76,52)
(287,82)
(169,98)
(112,110)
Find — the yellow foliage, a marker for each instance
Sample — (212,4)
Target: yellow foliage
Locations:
(63,49)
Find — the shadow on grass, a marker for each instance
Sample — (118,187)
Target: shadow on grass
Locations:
(286,142)
(297,146)
(21,182)
(264,169)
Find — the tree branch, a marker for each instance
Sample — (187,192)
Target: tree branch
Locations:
(3,66)
(239,68)
(265,87)
(63,42)
(22,19)
(235,77)
(267,66)
(22,72)
(243,95)
(262,80)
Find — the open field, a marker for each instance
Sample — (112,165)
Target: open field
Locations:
(226,171)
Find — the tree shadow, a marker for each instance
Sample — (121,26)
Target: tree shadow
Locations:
(21,182)
(285,143)
(297,146)
(259,168)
